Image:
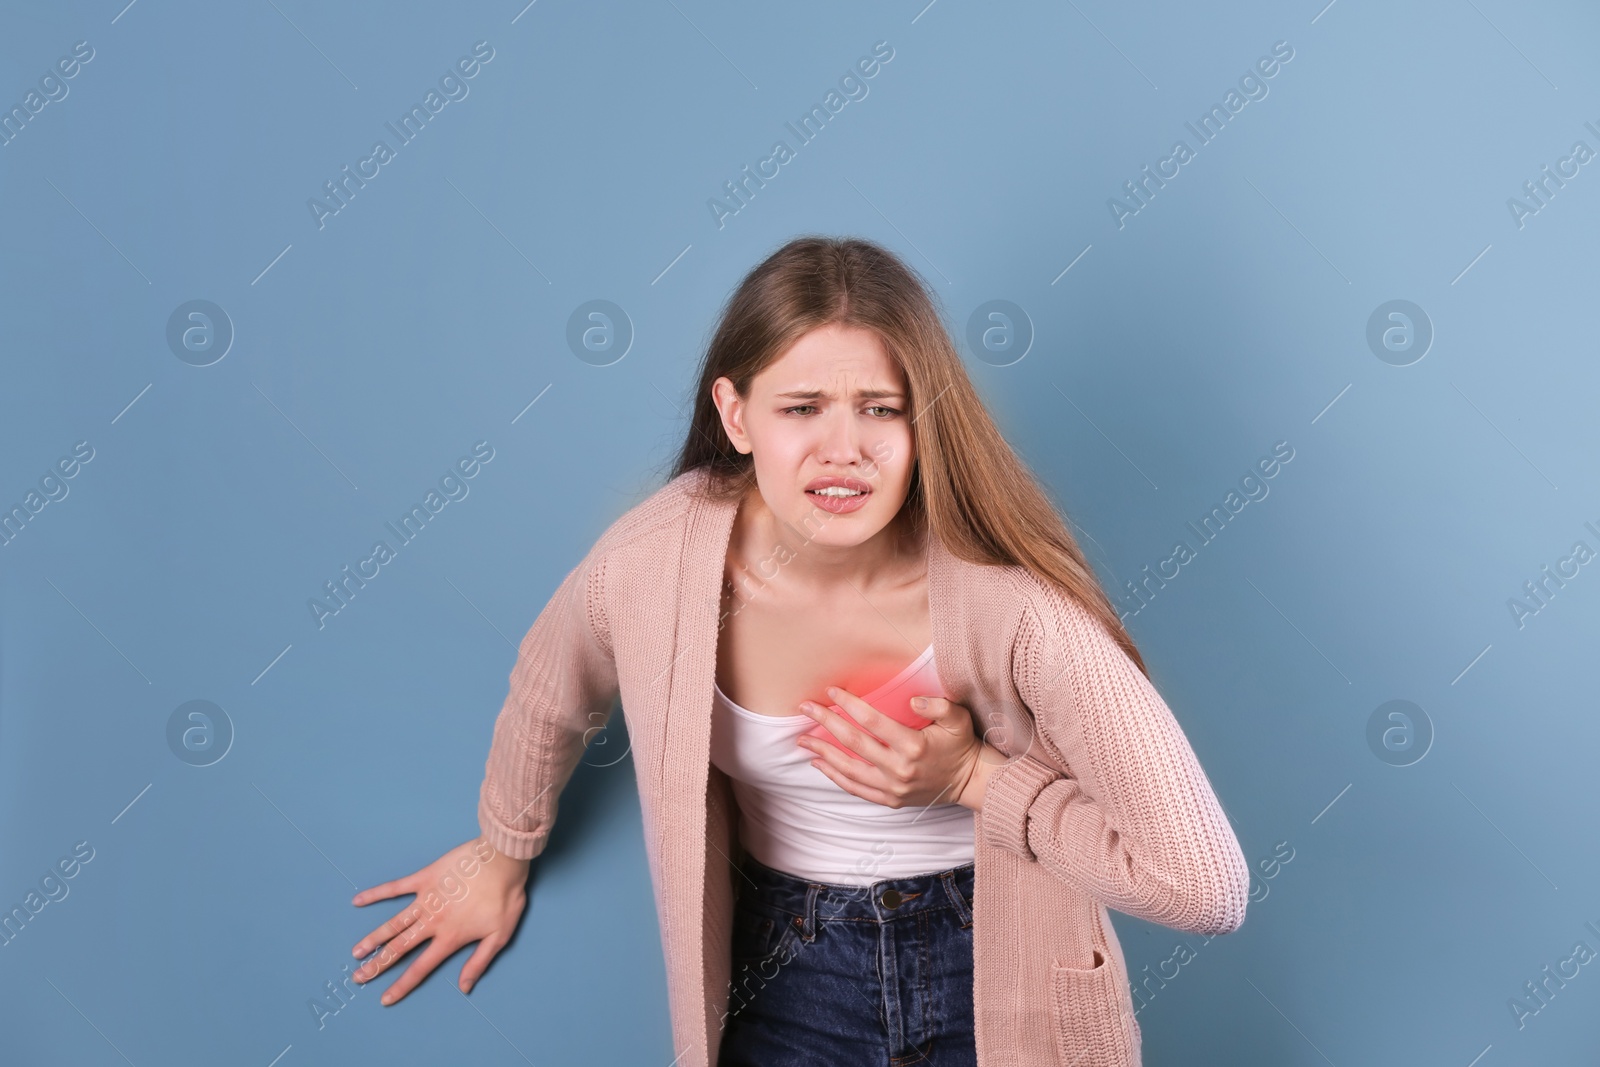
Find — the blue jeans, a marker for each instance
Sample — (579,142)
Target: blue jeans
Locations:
(835,974)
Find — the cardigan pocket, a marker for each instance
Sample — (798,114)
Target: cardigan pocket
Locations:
(1092,1019)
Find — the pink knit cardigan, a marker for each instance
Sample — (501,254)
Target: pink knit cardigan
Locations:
(1102,803)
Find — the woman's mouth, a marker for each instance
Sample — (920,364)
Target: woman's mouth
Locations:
(839,495)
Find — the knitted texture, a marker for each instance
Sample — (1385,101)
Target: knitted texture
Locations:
(1102,803)
(1137,824)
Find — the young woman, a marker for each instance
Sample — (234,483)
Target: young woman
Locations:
(841,875)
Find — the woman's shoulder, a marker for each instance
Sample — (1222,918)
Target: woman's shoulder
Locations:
(989,582)
(1016,592)
(663,513)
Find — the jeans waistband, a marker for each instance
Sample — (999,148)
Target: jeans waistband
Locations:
(883,900)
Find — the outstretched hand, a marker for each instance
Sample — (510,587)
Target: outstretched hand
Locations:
(471,893)
(901,766)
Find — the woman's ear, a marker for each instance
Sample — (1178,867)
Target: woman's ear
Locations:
(731,407)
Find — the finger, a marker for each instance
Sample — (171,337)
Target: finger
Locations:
(398,887)
(941,710)
(841,727)
(386,931)
(847,763)
(850,785)
(393,952)
(890,731)
(822,741)
(420,968)
(478,962)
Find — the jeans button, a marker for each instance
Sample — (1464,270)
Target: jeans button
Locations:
(890,899)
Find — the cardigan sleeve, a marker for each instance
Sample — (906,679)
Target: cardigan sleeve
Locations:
(563,687)
(1134,822)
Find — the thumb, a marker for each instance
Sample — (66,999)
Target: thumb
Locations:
(938,709)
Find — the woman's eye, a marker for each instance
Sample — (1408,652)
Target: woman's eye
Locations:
(889,412)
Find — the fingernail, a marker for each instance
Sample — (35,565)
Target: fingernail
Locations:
(919,702)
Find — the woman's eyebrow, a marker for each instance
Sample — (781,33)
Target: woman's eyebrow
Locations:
(819,394)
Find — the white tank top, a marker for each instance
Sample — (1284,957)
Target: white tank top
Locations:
(794,818)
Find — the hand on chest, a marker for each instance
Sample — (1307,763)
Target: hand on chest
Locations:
(768,661)
(777,647)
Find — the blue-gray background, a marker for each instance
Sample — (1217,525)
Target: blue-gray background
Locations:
(370,353)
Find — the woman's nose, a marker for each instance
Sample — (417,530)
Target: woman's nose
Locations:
(841,439)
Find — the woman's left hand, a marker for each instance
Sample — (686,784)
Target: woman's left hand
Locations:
(943,762)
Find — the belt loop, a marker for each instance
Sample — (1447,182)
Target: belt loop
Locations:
(963,908)
(808,927)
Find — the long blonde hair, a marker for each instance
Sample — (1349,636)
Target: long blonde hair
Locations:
(981,499)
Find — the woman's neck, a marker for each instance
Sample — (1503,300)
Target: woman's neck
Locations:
(764,543)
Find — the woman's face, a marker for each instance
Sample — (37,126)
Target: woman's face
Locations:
(831,411)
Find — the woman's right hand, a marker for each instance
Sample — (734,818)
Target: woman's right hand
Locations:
(471,893)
